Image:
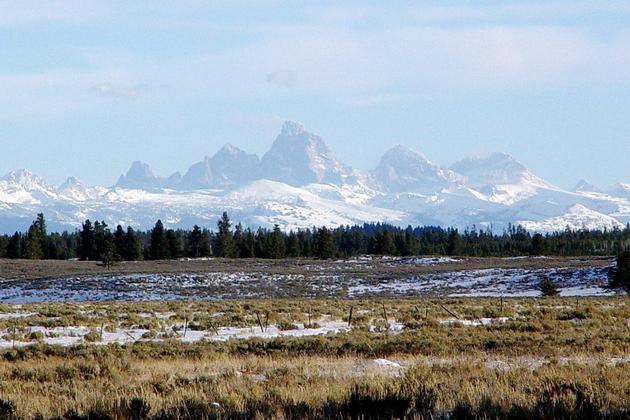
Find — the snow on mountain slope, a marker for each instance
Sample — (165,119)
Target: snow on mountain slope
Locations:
(292,207)
(299,158)
(300,183)
(73,189)
(577,217)
(501,178)
(229,167)
(23,187)
(402,169)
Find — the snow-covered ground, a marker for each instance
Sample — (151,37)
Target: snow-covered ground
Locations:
(312,282)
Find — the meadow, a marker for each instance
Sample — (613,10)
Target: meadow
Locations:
(367,358)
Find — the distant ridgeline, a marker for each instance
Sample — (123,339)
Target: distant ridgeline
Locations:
(96,241)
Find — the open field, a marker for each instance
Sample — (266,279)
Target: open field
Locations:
(516,357)
(217,279)
(368,337)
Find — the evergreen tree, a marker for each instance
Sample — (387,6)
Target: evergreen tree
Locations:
(33,244)
(87,247)
(455,243)
(14,247)
(120,242)
(324,244)
(224,242)
(205,249)
(384,244)
(173,243)
(276,247)
(158,248)
(619,277)
(246,248)
(194,243)
(292,245)
(133,248)
(539,245)
(103,241)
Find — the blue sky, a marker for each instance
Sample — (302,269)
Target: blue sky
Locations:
(86,86)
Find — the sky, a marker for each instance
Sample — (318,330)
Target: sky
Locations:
(87,87)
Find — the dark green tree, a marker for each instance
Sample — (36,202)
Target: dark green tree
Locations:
(158,248)
(224,242)
(87,247)
(324,244)
(292,245)
(174,244)
(120,242)
(193,248)
(14,246)
(133,248)
(455,243)
(619,276)
(34,240)
(276,247)
(539,245)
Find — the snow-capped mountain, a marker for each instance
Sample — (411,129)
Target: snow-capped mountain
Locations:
(74,189)
(402,169)
(501,178)
(300,183)
(229,167)
(298,157)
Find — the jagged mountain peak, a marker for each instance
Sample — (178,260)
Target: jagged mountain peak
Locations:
(139,175)
(298,157)
(25,179)
(292,128)
(493,169)
(403,169)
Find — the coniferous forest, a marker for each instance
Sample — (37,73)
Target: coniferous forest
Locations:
(98,241)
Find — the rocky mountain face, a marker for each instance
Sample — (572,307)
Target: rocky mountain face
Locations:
(299,183)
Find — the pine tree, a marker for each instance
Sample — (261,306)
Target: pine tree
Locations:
(158,249)
(87,247)
(324,244)
(455,243)
(103,241)
(205,249)
(293,245)
(276,247)
(619,277)
(384,243)
(33,245)
(539,245)
(14,247)
(194,243)
(224,242)
(133,248)
(173,243)
(120,242)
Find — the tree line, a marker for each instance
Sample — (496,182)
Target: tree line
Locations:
(97,241)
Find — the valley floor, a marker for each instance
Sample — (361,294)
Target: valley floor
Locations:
(289,358)
(425,337)
(23,281)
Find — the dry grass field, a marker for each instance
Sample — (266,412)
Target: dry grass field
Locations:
(413,358)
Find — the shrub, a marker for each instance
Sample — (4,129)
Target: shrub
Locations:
(547,287)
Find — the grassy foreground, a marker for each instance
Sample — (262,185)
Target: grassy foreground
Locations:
(546,358)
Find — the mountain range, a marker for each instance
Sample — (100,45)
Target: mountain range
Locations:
(300,183)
